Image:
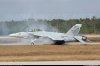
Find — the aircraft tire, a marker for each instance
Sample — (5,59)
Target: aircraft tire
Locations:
(32,43)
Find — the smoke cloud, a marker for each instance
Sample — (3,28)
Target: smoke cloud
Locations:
(4,30)
(40,25)
(29,25)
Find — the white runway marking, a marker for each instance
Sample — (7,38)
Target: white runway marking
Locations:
(53,63)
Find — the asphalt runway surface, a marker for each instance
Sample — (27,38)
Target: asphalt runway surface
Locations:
(6,40)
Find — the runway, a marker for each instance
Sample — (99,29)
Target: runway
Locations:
(6,40)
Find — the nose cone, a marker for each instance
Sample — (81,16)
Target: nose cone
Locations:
(13,35)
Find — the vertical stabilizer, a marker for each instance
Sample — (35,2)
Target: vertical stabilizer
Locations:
(74,30)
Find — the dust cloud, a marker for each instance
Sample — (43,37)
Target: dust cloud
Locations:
(29,26)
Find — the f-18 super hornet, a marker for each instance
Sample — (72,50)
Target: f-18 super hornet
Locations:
(56,38)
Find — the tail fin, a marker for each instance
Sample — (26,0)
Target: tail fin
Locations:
(74,30)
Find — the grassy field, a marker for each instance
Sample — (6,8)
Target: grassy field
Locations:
(49,52)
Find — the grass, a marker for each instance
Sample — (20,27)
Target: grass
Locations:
(49,52)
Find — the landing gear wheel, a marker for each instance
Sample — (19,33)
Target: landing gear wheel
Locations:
(32,43)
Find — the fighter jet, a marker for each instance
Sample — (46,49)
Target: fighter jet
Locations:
(56,38)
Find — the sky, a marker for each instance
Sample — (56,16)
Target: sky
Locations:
(48,9)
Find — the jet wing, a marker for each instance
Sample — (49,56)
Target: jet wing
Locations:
(55,37)
(51,36)
(79,39)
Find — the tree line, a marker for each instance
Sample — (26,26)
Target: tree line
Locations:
(89,25)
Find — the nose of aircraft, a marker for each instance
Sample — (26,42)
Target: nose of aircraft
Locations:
(11,35)
(14,35)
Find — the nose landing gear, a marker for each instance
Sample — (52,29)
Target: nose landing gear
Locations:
(32,43)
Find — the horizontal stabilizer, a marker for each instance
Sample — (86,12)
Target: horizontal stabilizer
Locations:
(79,39)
